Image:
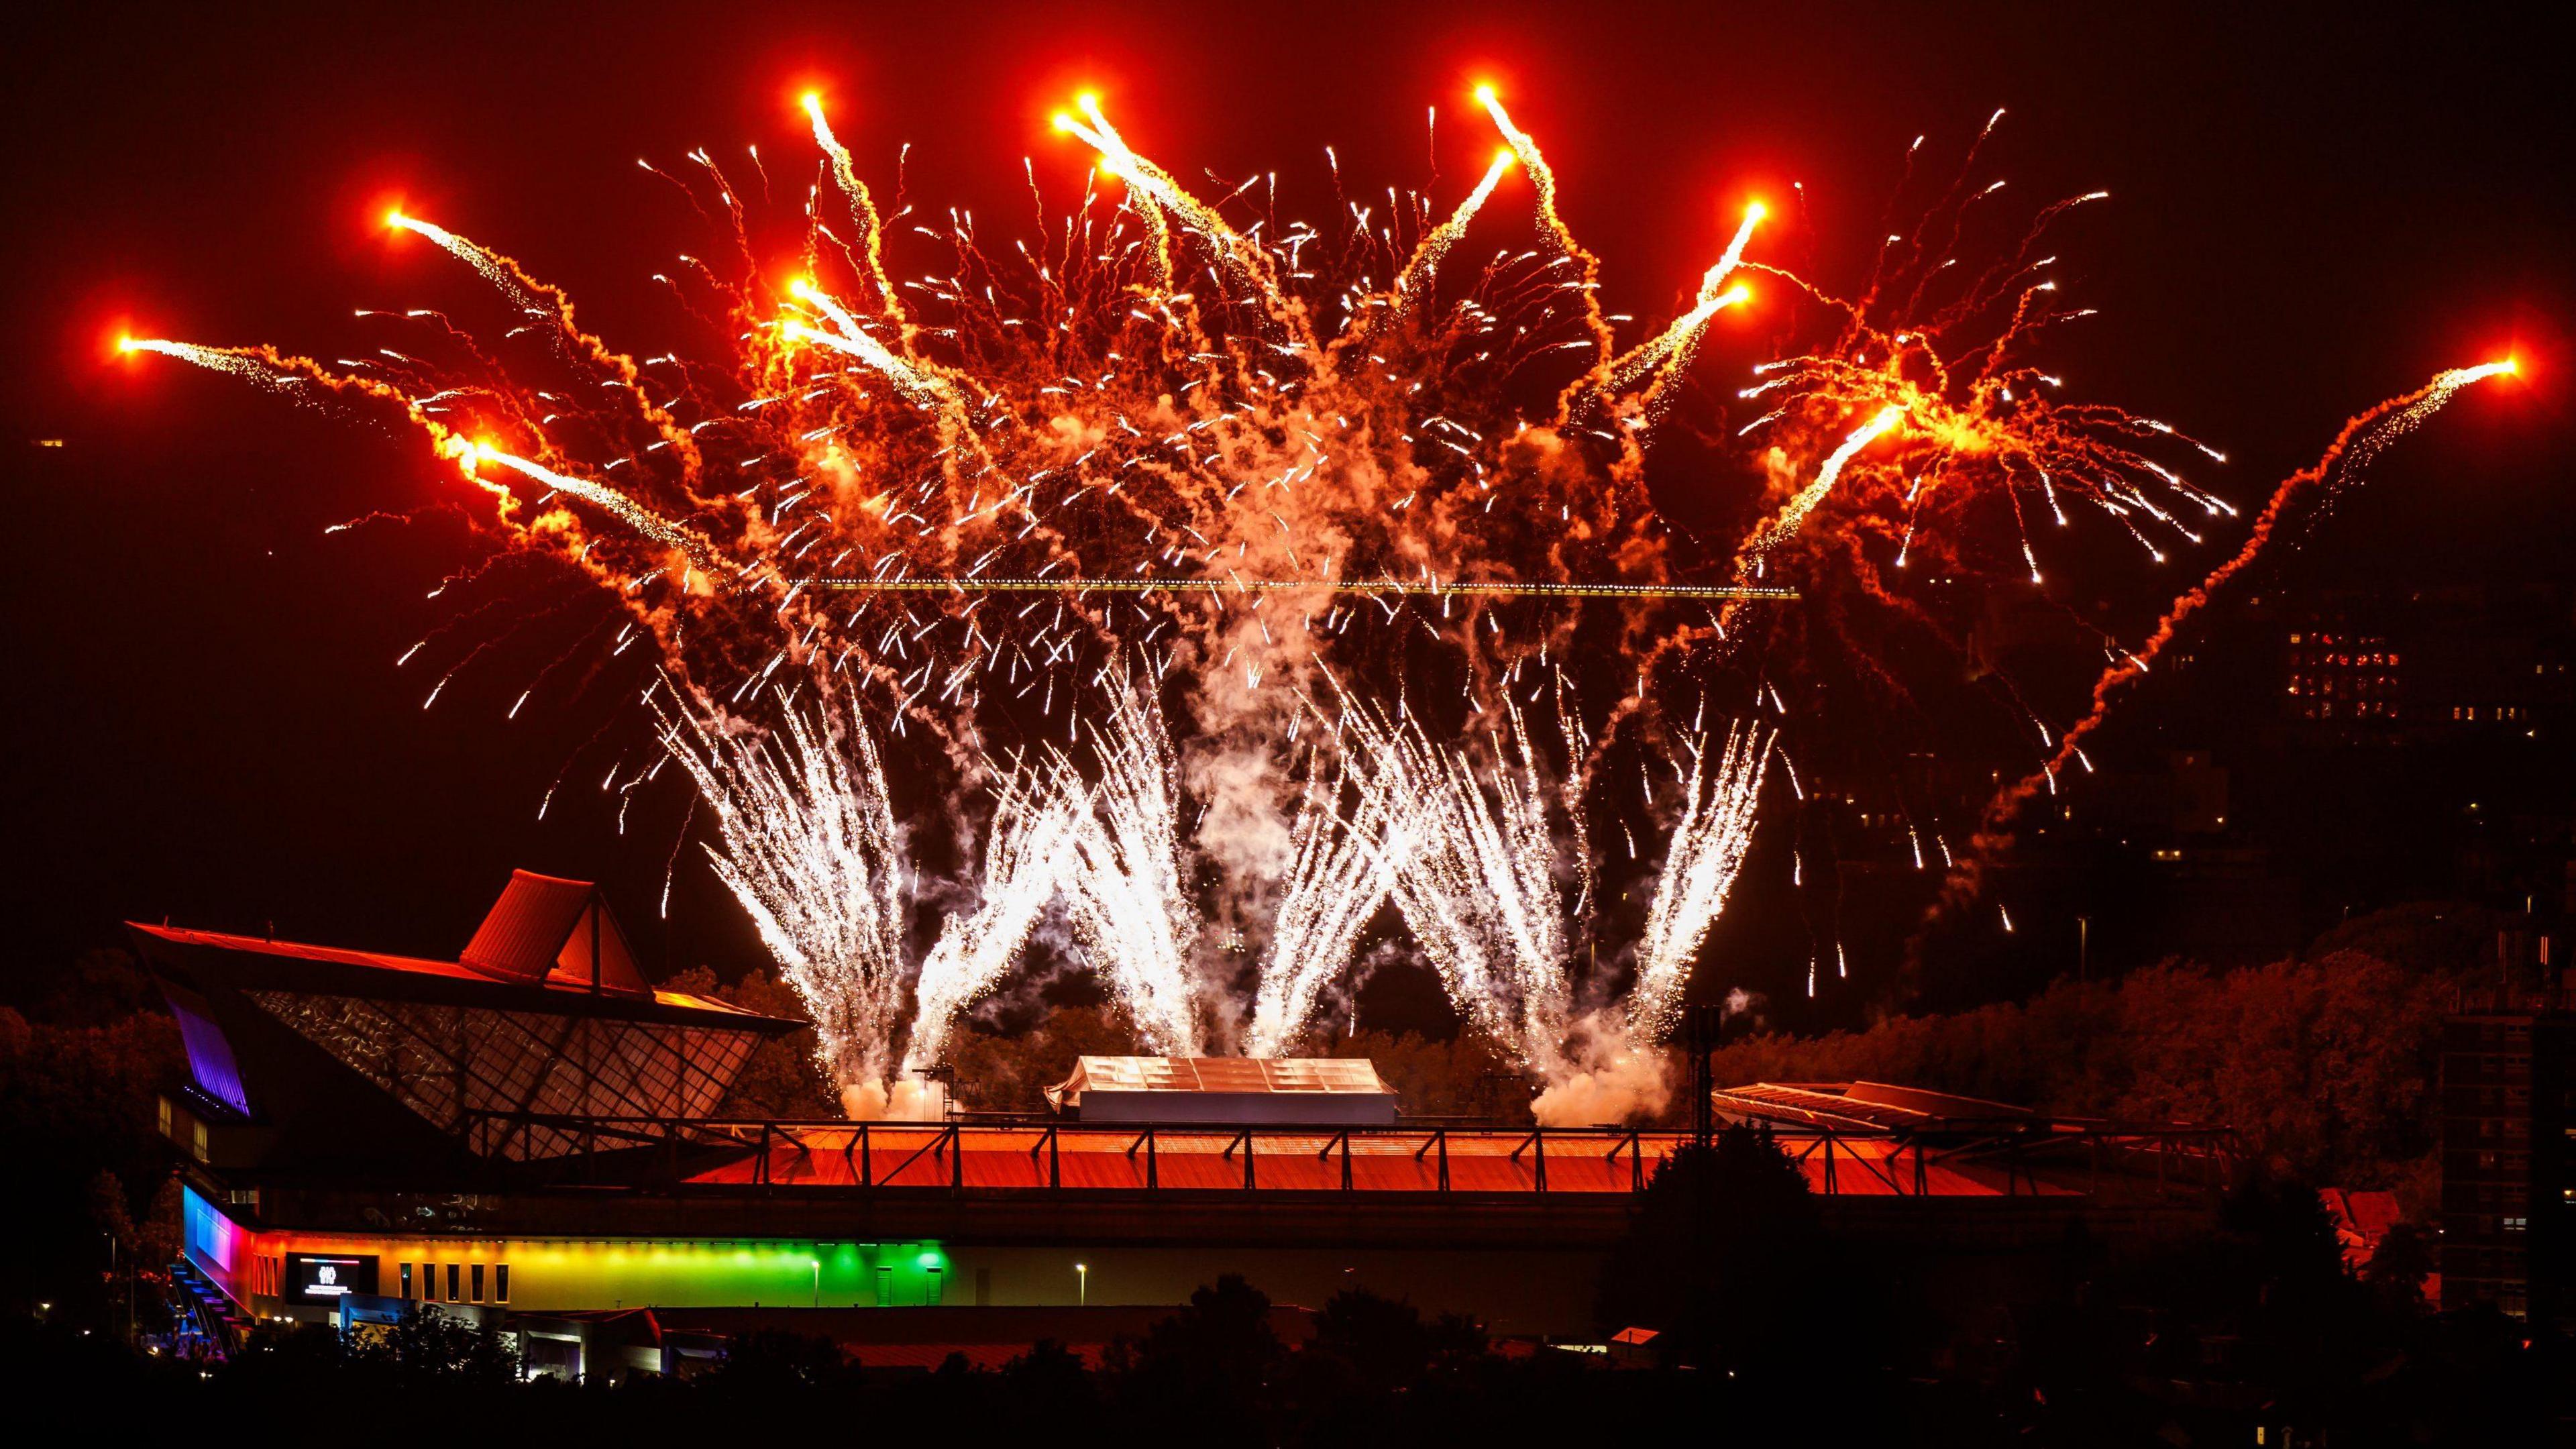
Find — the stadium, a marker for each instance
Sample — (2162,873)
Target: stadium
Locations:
(525,1135)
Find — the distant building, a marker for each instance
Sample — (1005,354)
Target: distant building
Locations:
(2342,673)
(2158,808)
(2508,1195)
(2492,662)
(2428,664)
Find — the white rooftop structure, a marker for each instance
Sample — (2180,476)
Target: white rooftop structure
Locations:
(1332,1091)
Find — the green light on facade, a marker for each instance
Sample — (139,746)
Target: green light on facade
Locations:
(570,1274)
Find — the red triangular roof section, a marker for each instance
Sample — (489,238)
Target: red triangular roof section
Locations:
(559,932)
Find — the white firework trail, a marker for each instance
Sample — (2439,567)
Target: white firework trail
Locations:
(1700,865)
(1027,848)
(808,844)
(1341,870)
(1478,889)
(1128,891)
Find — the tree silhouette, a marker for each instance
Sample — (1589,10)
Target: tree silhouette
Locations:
(1724,1256)
(1206,1370)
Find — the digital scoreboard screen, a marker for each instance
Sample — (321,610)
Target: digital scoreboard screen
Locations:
(326,1278)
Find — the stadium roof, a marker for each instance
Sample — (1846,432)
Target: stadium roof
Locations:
(1262,1075)
(401,971)
(544,1017)
(1225,1089)
(1863,1107)
(539,935)
(550,929)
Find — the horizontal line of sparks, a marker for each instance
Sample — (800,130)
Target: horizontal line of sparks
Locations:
(1281,586)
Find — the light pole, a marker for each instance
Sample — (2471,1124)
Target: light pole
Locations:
(1082,1284)
(2083,948)
(818,1282)
(112,1266)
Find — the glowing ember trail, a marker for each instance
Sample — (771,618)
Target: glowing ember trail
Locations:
(1673,349)
(1797,509)
(2352,450)
(607,500)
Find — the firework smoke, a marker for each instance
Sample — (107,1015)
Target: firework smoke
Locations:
(1611,1074)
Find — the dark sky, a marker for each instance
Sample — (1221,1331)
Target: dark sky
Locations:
(2312,209)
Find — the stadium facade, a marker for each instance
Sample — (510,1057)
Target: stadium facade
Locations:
(531,1130)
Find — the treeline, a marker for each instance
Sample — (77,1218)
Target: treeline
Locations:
(2327,1065)
(91,1205)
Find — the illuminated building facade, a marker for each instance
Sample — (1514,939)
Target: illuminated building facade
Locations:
(2509,1154)
(2340,672)
(531,1132)
(2435,663)
(312,1269)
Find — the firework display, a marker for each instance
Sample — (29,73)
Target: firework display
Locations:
(1245,589)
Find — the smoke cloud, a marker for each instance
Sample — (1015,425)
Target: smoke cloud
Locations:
(1611,1077)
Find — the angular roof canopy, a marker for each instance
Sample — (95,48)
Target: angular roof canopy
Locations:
(543,1018)
(539,934)
(545,928)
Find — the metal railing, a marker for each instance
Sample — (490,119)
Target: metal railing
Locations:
(836,1155)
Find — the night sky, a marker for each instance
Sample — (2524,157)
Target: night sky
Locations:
(2310,211)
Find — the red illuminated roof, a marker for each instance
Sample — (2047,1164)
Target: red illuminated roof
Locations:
(546,927)
(415,968)
(1254,1075)
(545,934)
(1862,1106)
